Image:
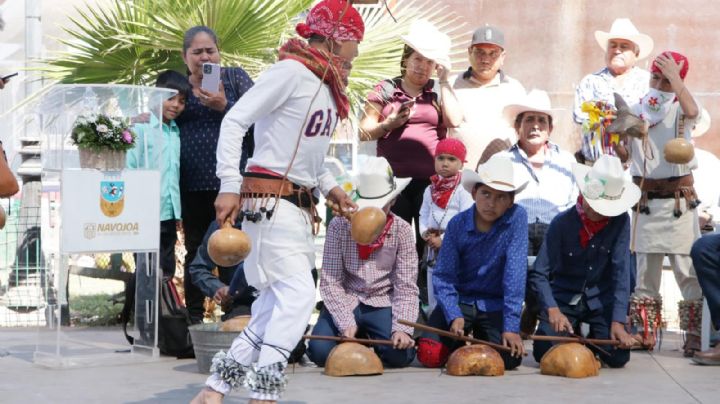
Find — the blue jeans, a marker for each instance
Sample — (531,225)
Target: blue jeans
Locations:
(373,323)
(705,255)
(599,322)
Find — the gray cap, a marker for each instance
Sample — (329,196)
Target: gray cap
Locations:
(488,34)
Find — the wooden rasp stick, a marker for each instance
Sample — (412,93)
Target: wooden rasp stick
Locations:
(573,339)
(454,336)
(344,339)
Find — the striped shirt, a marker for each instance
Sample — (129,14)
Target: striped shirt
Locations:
(386,279)
(551,189)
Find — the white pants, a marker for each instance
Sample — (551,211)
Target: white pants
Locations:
(279,317)
(649,274)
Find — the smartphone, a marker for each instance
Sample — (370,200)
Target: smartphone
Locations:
(407,104)
(211,77)
(9,76)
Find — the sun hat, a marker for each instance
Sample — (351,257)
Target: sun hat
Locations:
(605,186)
(536,101)
(375,184)
(623,28)
(430,42)
(498,173)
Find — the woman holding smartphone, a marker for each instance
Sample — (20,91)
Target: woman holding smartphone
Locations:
(199,130)
(410,114)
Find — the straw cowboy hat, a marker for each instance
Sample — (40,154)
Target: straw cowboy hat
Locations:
(428,41)
(375,184)
(623,28)
(605,187)
(498,173)
(702,125)
(535,101)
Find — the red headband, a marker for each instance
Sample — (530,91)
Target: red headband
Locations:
(678,58)
(334,19)
(453,147)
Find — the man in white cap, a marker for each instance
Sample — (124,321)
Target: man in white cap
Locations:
(623,45)
(368,288)
(482,92)
(479,278)
(551,188)
(582,274)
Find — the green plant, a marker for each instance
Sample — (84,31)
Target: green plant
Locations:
(101,132)
(94,310)
(129,42)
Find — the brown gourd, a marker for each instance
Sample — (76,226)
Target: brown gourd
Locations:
(228,246)
(572,360)
(367,224)
(678,151)
(475,360)
(353,359)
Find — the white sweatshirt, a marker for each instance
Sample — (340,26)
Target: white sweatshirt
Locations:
(279,104)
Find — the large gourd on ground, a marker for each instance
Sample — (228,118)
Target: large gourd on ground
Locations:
(475,360)
(572,360)
(352,359)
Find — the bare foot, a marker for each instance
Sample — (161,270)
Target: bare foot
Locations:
(207,396)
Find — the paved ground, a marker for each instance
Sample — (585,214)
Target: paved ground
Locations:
(664,377)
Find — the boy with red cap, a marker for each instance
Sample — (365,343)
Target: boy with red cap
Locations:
(295,106)
(665,225)
(442,200)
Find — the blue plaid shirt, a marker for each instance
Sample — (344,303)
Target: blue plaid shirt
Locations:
(487,270)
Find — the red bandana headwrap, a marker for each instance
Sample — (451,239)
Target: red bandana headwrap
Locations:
(334,19)
(453,147)
(364,251)
(589,227)
(329,68)
(678,58)
(441,188)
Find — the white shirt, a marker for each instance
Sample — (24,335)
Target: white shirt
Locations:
(434,217)
(551,189)
(655,166)
(482,107)
(279,106)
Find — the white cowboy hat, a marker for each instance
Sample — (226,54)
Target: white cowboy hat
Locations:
(536,101)
(428,41)
(498,173)
(375,184)
(605,186)
(623,28)
(702,125)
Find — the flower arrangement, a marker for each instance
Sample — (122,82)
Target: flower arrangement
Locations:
(101,132)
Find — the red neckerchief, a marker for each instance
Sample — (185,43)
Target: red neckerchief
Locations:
(441,189)
(589,227)
(327,67)
(364,251)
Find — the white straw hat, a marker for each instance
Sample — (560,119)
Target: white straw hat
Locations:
(536,101)
(375,184)
(623,28)
(605,186)
(428,41)
(498,173)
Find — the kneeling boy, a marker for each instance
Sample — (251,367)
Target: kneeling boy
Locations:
(479,278)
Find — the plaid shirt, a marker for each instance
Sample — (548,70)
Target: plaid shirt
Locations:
(387,278)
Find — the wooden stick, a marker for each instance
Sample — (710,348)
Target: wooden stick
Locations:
(344,339)
(573,339)
(454,336)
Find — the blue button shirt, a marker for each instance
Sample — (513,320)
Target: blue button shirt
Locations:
(163,152)
(600,272)
(487,270)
